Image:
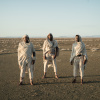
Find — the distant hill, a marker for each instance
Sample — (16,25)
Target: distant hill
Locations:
(92,36)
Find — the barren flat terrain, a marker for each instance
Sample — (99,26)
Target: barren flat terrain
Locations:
(49,88)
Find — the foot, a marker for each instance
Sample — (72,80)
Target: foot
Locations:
(81,81)
(31,82)
(74,81)
(56,76)
(20,83)
(44,76)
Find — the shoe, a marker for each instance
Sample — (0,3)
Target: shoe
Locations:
(20,83)
(56,76)
(74,81)
(44,76)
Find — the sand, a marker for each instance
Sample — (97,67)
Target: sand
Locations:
(49,88)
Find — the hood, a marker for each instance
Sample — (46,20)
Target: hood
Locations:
(80,39)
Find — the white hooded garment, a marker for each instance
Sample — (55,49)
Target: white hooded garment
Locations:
(49,46)
(25,52)
(78,48)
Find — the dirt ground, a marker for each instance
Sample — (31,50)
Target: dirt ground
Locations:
(49,88)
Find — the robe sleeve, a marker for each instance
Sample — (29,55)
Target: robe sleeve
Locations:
(85,53)
(44,48)
(72,53)
(19,51)
(33,49)
(56,44)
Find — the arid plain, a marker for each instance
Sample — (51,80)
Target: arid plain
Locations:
(49,88)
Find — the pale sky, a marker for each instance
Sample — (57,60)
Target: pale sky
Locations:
(37,18)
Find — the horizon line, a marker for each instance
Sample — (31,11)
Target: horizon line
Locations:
(94,36)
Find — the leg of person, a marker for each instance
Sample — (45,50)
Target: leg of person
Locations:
(30,69)
(26,69)
(19,67)
(81,67)
(75,69)
(55,67)
(22,74)
(45,68)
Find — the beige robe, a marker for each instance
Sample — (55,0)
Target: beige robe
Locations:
(25,57)
(25,52)
(78,48)
(49,52)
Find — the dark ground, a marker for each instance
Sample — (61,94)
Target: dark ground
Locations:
(50,88)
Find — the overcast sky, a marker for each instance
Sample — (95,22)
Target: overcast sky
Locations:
(37,18)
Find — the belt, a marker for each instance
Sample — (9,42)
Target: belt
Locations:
(78,55)
(50,52)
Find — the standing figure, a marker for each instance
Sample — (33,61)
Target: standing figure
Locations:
(26,57)
(50,51)
(78,58)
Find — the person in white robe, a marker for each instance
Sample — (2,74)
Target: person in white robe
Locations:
(78,58)
(50,52)
(26,57)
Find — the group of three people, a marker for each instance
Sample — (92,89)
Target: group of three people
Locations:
(27,57)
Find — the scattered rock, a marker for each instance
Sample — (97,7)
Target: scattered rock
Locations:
(63,49)
(94,49)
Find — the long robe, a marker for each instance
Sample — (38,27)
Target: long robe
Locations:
(25,52)
(49,46)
